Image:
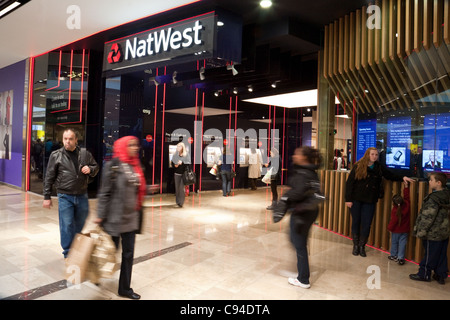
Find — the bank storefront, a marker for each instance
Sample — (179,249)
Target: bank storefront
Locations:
(164,82)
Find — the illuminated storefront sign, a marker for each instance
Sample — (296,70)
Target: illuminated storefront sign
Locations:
(185,39)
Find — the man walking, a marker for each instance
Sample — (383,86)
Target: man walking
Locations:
(69,169)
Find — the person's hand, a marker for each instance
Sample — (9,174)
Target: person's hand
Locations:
(47,204)
(86,170)
(349,204)
(406,180)
(266,165)
(98,221)
(405,183)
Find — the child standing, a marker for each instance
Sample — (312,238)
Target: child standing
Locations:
(399,226)
(432,226)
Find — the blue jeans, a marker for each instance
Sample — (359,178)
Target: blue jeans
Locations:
(73,211)
(362,216)
(226,182)
(398,245)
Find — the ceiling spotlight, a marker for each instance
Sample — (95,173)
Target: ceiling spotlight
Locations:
(202,73)
(216,93)
(274,85)
(174,77)
(220,24)
(265,4)
(235,90)
(232,68)
(250,88)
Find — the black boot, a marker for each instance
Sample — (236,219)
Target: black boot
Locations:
(362,247)
(355,245)
(272,206)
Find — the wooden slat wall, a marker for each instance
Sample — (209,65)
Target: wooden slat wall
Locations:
(394,67)
(335,216)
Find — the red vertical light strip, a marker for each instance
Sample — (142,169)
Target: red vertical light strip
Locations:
(201,144)
(163,134)
(353,133)
(235,138)
(274,120)
(195,131)
(296,130)
(30,117)
(59,72)
(82,88)
(154,130)
(70,85)
(268,137)
(282,163)
(70,81)
(229,119)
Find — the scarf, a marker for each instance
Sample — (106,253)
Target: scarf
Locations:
(121,152)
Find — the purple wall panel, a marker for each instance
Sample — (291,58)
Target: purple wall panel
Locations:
(13,78)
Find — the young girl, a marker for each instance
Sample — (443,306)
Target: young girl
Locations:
(399,226)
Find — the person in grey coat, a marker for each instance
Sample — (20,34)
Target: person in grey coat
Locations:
(120,205)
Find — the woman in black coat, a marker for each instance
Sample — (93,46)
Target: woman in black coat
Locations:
(120,205)
(362,191)
(301,197)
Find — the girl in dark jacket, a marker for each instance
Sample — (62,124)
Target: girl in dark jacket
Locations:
(120,202)
(303,182)
(362,191)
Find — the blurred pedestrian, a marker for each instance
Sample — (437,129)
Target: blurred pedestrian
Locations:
(122,192)
(302,199)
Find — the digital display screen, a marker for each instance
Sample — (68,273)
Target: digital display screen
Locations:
(398,151)
(436,143)
(367,136)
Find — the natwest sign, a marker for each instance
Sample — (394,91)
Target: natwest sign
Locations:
(183,40)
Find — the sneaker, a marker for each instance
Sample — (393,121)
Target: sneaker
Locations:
(393,258)
(297,283)
(401,261)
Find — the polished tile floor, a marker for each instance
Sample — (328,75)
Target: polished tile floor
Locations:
(215,247)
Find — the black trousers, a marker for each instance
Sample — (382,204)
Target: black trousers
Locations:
(126,267)
(299,228)
(273,187)
(434,259)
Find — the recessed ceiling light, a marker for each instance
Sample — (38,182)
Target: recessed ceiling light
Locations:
(9,8)
(265,4)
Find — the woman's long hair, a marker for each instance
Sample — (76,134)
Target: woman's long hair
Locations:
(121,151)
(362,164)
(183,152)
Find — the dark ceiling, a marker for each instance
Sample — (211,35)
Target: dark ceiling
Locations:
(280,43)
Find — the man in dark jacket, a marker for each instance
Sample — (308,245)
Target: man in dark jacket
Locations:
(69,169)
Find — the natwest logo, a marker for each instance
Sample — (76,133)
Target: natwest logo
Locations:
(172,43)
(115,55)
(163,41)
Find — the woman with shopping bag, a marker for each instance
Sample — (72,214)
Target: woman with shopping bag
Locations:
(120,204)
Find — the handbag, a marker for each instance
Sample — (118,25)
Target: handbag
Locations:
(189,176)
